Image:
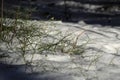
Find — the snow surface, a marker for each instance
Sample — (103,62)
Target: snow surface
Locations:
(100,61)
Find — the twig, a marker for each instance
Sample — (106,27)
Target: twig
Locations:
(1,16)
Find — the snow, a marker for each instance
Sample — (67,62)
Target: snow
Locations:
(100,61)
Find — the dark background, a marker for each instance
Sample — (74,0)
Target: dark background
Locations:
(104,12)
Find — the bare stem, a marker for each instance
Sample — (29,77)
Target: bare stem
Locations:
(1,16)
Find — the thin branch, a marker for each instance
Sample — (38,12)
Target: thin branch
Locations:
(1,16)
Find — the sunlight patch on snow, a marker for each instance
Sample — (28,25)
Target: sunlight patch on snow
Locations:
(57,58)
(111,48)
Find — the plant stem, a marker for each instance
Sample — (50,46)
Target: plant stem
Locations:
(1,16)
